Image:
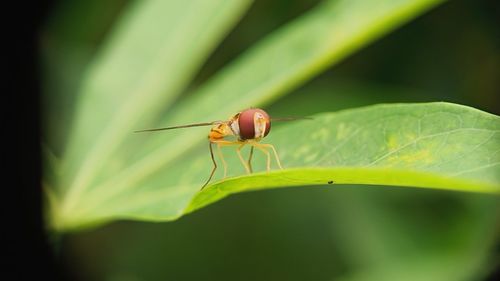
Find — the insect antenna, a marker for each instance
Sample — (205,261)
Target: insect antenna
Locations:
(180,127)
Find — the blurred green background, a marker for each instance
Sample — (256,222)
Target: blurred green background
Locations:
(451,53)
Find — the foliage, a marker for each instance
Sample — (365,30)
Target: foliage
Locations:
(100,171)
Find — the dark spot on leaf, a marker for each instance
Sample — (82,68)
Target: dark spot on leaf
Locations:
(330,182)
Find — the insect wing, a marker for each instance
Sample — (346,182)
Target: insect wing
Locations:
(279,119)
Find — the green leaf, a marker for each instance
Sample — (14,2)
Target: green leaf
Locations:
(436,145)
(431,145)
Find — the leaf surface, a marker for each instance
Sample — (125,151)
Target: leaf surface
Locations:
(436,145)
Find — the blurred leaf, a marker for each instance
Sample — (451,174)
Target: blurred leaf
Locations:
(68,42)
(154,51)
(143,68)
(279,63)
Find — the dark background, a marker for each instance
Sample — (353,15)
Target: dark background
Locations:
(27,253)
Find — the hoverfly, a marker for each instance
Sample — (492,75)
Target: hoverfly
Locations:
(248,127)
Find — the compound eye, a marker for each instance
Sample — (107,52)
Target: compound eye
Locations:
(250,120)
(246,123)
(264,119)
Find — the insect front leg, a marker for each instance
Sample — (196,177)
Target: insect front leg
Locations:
(222,159)
(238,150)
(221,143)
(215,165)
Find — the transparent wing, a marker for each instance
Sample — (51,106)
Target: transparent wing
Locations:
(279,119)
(181,126)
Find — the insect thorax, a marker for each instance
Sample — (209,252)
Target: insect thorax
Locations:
(220,131)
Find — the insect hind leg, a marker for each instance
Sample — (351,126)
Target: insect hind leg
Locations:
(268,155)
(262,146)
(238,150)
(249,161)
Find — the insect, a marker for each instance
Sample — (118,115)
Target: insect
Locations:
(247,127)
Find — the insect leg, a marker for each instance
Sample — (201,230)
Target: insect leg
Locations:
(267,154)
(214,168)
(250,159)
(274,151)
(238,150)
(222,159)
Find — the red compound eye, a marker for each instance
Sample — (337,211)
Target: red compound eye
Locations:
(247,125)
